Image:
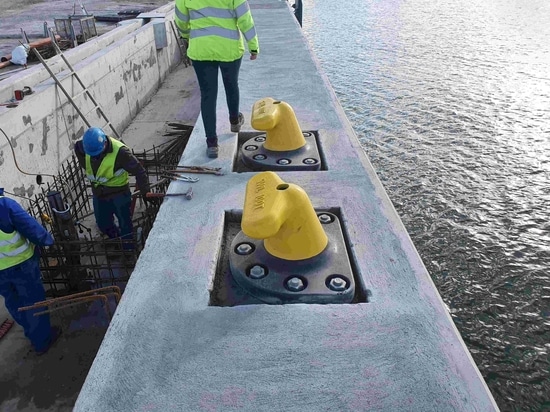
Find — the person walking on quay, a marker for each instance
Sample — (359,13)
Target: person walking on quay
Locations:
(20,278)
(212,30)
(107,162)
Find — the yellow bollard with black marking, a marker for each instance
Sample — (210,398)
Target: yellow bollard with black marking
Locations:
(287,252)
(282,214)
(284,146)
(277,118)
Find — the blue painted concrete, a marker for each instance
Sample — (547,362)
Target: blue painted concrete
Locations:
(167,350)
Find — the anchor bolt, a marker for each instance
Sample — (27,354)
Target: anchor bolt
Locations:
(244,249)
(337,284)
(257,272)
(295,284)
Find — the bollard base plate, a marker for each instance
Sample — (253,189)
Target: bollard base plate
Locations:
(255,156)
(311,280)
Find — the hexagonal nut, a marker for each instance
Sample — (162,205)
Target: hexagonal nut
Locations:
(337,284)
(244,249)
(257,272)
(324,218)
(295,284)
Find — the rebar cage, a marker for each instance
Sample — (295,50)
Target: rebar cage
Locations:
(82,258)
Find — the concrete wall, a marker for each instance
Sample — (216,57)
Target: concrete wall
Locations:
(122,69)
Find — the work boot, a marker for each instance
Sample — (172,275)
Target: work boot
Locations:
(212,152)
(212,147)
(236,127)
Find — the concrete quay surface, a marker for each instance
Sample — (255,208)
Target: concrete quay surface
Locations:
(167,349)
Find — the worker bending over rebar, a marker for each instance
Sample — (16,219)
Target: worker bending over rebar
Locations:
(107,163)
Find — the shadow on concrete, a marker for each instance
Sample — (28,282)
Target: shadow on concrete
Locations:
(50,382)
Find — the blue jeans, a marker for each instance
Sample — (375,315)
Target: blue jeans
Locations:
(20,286)
(207,76)
(119,206)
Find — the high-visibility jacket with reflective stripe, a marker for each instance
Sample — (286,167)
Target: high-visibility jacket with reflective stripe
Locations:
(14,249)
(105,174)
(214,27)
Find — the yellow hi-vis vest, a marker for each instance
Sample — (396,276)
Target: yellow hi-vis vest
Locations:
(214,28)
(14,249)
(106,174)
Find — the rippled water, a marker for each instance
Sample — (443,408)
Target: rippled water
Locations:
(451,102)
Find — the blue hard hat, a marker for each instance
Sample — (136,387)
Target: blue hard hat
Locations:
(94,141)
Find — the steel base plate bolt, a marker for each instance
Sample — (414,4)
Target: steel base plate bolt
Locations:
(244,249)
(325,218)
(257,272)
(295,284)
(337,284)
(310,161)
(283,162)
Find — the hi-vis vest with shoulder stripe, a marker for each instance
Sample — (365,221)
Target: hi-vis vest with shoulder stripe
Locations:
(14,249)
(214,28)
(106,174)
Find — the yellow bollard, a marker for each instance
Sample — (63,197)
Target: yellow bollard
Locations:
(278,120)
(282,214)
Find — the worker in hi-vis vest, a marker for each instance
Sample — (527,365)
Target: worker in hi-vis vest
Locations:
(214,31)
(20,278)
(107,163)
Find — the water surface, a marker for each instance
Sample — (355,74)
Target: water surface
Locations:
(451,103)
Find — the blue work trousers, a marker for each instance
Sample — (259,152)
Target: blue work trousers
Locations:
(106,209)
(21,286)
(207,76)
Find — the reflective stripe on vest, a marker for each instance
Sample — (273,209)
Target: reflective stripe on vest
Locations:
(215,27)
(216,31)
(182,16)
(14,249)
(105,174)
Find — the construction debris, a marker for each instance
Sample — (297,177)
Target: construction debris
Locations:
(55,304)
(39,44)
